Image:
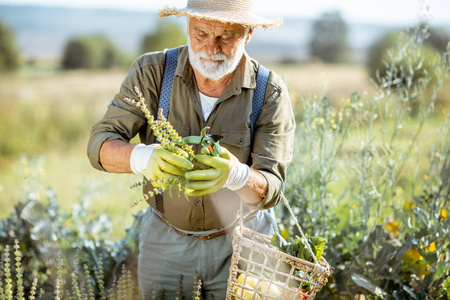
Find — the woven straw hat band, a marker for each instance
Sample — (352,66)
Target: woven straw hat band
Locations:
(243,6)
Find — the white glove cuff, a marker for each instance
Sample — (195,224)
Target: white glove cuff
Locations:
(238,177)
(140,157)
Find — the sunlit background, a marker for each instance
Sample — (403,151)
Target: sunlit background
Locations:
(370,89)
(43,27)
(44,32)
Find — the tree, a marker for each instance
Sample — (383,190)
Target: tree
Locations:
(9,55)
(329,37)
(91,52)
(167,35)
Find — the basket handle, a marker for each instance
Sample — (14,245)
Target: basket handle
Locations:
(241,223)
(299,228)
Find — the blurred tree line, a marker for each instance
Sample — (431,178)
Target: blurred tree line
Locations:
(97,52)
(9,55)
(328,43)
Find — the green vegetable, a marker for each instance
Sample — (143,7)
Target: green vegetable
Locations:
(298,247)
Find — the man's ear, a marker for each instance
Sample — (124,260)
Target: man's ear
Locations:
(249,35)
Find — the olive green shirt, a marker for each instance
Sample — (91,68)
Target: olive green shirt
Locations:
(271,150)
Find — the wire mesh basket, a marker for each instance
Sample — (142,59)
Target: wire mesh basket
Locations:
(259,271)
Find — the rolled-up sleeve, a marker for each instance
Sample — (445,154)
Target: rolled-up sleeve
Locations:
(273,141)
(122,120)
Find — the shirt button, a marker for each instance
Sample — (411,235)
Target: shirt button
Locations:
(197,202)
(240,141)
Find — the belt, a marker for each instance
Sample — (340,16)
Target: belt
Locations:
(214,234)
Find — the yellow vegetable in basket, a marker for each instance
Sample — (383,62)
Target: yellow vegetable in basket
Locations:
(246,294)
(269,289)
(249,280)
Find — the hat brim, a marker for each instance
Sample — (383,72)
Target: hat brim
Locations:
(245,19)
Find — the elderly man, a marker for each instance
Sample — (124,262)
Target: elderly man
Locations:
(213,83)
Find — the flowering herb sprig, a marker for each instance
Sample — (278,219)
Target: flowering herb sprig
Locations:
(162,129)
(169,139)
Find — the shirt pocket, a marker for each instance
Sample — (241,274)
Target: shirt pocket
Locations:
(237,142)
(181,130)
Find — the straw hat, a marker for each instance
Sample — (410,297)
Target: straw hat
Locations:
(226,11)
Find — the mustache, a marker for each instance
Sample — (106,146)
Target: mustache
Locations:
(219,56)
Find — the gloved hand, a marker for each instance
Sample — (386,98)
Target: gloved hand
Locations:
(210,180)
(164,165)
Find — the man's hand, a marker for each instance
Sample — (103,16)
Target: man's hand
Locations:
(210,180)
(165,165)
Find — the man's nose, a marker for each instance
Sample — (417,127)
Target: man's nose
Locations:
(213,47)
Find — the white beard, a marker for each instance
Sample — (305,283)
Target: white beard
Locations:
(215,70)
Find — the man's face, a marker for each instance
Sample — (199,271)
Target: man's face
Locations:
(215,48)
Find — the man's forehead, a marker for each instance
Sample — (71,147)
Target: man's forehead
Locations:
(206,25)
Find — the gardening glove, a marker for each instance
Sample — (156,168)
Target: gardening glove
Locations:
(225,171)
(163,165)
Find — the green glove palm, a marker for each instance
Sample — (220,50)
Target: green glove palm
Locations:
(164,166)
(210,180)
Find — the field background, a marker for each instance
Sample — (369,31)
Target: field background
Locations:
(370,171)
(49,116)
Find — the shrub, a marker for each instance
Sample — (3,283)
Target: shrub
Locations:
(9,55)
(329,38)
(411,61)
(92,52)
(362,177)
(167,35)
(378,58)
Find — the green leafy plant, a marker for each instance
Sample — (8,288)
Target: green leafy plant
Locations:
(298,248)
(360,178)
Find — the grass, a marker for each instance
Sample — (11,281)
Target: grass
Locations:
(51,116)
(337,81)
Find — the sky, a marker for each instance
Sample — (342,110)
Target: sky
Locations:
(394,12)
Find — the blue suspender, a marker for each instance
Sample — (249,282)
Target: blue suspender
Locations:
(168,76)
(262,78)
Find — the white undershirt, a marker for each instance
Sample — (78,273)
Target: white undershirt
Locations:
(207,104)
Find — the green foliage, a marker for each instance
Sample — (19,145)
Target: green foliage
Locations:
(91,52)
(9,55)
(359,180)
(298,247)
(435,40)
(47,239)
(329,38)
(168,35)
(410,57)
(382,56)
(35,127)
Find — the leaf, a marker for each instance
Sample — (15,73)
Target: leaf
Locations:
(365,283)
(279,242)
(410,293)
(422,216)
(441,268)
(405,219)
(319,244)
(399,295)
